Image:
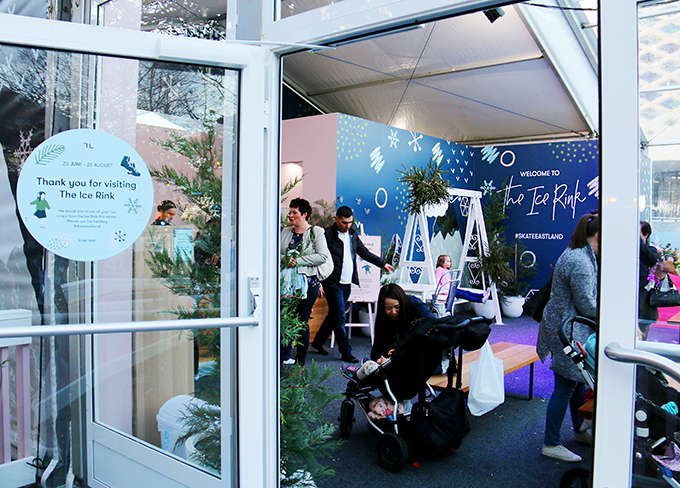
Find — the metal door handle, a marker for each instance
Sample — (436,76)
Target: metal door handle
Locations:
(615,352)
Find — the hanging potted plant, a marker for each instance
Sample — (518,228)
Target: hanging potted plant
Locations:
(427,186)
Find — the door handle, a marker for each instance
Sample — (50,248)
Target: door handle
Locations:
(616,353)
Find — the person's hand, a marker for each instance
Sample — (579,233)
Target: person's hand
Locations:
(388,267)
(321,291)
(381,360)
(292,263)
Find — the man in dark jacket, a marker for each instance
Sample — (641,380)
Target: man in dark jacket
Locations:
(344,245)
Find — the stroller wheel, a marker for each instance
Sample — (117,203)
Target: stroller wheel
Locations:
(346,418)
(392,452)
(576,478)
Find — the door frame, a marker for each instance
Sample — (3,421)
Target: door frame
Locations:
(256,387)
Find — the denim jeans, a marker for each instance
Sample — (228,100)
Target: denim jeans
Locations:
(566,393)
(304,310)
(337,296)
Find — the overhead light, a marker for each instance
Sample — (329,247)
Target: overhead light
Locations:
(493,14)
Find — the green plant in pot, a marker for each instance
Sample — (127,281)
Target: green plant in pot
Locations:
(427,185)
(494,260)
(515,289)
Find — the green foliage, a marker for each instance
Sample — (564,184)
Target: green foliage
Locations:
(522,270)
(502,263)
(494,261)
(291,325)
(324,215)
(427,186)
(305,434)
(205,422)
(198,279)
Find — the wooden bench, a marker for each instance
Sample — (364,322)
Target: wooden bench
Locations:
(514,357)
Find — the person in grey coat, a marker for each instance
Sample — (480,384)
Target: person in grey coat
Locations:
(574,292)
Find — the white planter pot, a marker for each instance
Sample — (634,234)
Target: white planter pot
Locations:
(512,307)
(485,310)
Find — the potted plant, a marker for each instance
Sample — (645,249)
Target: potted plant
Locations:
(427,186)
(493,261)
(515,289)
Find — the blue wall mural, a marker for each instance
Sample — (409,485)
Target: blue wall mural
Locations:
(546,188)
(369,158)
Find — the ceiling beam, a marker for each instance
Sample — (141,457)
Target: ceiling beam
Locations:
(420,76)
(557,40)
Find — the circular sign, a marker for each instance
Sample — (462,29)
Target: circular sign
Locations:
(85,194)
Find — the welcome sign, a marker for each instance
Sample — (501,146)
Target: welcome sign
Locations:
(546,188)
(85,194)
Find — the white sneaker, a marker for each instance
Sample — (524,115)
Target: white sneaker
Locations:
(585,425)
(584,437)
(289,361)
(560,452)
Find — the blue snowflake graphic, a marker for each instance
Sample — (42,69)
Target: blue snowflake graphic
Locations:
(119,236)
(393,138)
(487,188)
(132,205)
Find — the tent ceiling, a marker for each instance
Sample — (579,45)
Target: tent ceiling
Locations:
(462,79)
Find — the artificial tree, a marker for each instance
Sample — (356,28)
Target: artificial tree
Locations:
(494,260)
(305,435)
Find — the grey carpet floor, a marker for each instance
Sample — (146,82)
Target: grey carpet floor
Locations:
(503,448)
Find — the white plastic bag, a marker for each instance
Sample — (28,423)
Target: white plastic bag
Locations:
(487,384)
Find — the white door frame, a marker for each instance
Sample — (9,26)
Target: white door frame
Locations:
(618,195)
(257,385)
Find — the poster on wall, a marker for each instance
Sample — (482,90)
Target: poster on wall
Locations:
(369,274)
(85,194)
(546,189)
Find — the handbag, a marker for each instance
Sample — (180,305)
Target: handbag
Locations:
(535,304)
(669,297)
(442,423)
(487,385)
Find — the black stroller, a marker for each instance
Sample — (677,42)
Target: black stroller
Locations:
(655,426)
(441,423)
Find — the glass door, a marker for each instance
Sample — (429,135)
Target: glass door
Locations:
(135,243)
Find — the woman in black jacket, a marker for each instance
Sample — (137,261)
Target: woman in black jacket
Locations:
(394,319)
(649,256)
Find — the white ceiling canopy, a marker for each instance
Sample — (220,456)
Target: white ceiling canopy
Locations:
(524,77)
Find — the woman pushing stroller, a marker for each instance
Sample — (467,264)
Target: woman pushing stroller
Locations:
(573,293)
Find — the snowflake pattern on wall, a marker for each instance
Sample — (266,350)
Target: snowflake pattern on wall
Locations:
(487,188)
(414,141)
(393,138)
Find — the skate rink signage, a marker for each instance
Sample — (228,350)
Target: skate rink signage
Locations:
(85,194)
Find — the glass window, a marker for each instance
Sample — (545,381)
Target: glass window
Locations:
(167,251)
(659,103)
(205,19)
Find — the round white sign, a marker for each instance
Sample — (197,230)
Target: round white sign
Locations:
(85,194)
